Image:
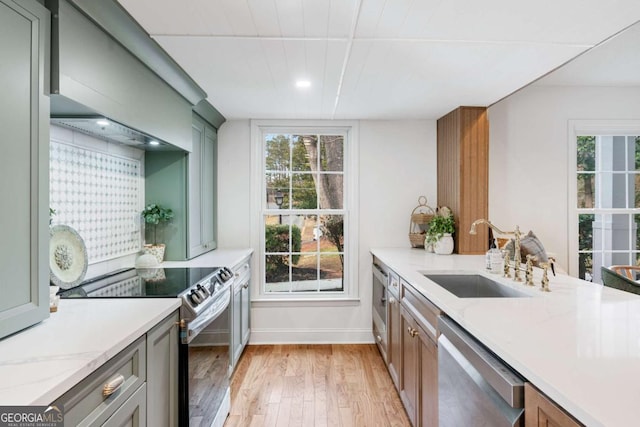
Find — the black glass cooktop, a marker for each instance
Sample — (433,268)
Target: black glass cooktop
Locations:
(140,283)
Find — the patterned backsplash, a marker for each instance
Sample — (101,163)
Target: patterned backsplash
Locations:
(100,195)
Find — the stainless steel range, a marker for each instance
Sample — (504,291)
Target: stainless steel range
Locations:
(205,336)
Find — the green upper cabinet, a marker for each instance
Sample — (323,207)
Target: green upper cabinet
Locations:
(202,189)
(92,69)
(24,164)
(186,182)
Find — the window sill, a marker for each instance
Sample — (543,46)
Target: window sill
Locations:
(305,302)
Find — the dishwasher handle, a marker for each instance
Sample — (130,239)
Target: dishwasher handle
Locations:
(506,382)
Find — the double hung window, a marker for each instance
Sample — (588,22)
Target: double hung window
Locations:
(304,215)
(607,202)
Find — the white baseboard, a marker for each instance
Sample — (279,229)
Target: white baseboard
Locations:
(311,336)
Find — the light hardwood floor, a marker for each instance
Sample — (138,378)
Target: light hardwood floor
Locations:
(314,385)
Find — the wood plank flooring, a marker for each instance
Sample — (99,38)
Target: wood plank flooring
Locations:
(314,385)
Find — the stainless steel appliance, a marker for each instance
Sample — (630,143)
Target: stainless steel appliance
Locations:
(204,396)
(475,387)
(380,279)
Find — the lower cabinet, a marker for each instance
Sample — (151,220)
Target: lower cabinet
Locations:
(240,311)
(419,377)
(137,387)
(133,412)
(540,411)
(410,365)
(162,373)
(428,413)
(411,355)
(419,373)
(99,396)
(394,339)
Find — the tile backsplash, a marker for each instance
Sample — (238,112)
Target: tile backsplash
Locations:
(98,189)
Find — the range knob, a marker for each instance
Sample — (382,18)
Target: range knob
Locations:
(225,274)
(195,298)
(203,291)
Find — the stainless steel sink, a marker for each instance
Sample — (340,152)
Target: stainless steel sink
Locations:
(474,286)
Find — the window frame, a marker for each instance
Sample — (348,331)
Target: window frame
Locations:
(259,128)
(596,128)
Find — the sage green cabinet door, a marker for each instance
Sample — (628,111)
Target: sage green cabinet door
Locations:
(132,413)
(202,189)
(162,373)
(24,165)
(236,326)
(246,313)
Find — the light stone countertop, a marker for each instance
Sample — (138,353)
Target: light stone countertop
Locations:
(40,363)
(579,343)
(43,362)
(215,258)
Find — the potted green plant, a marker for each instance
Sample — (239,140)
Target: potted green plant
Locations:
(154,216)
(441,227)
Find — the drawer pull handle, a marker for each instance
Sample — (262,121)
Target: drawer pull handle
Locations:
(112,385)
(412,332)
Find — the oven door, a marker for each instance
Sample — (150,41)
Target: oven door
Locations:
(205,367)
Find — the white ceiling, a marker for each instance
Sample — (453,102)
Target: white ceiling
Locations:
(372,59)
(613,63)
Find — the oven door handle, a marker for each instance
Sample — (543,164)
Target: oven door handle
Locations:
(205,318)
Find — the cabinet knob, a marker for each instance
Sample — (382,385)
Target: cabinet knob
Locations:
(412,332)
(112,385)
(379,338)
(246,285)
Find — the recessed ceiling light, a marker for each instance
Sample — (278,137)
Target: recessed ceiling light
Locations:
(103,122)
(154,143)
(303,84)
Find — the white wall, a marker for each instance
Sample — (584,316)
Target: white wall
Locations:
(397,164)
(528,158)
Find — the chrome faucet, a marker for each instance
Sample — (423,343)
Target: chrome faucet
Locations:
(516,247)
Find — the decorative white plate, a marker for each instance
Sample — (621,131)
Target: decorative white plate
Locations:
(67,257)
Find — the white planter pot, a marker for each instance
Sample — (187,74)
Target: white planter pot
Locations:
(444,246)
(155,250)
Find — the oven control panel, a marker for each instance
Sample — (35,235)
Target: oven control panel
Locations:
(203,293)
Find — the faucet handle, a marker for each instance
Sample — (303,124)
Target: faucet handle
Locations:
(545,277)
(529,271)
(505,264)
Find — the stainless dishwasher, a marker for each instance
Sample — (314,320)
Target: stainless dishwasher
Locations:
(379,312)
(475,387)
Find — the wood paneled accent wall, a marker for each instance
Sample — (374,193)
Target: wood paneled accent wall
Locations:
(463,173)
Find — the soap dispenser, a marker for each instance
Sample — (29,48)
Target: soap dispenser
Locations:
(494,258)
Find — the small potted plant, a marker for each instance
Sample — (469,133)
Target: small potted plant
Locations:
(154,215)
(441,227)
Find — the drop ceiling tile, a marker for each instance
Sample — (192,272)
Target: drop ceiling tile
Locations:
(265,17)
(498,20)
(166,16)
(341,16)
(253,78)
(613,63)
(428,79)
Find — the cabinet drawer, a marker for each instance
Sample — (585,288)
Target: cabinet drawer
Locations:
(242,274)
(133,412)
(425,313)
(85,403)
